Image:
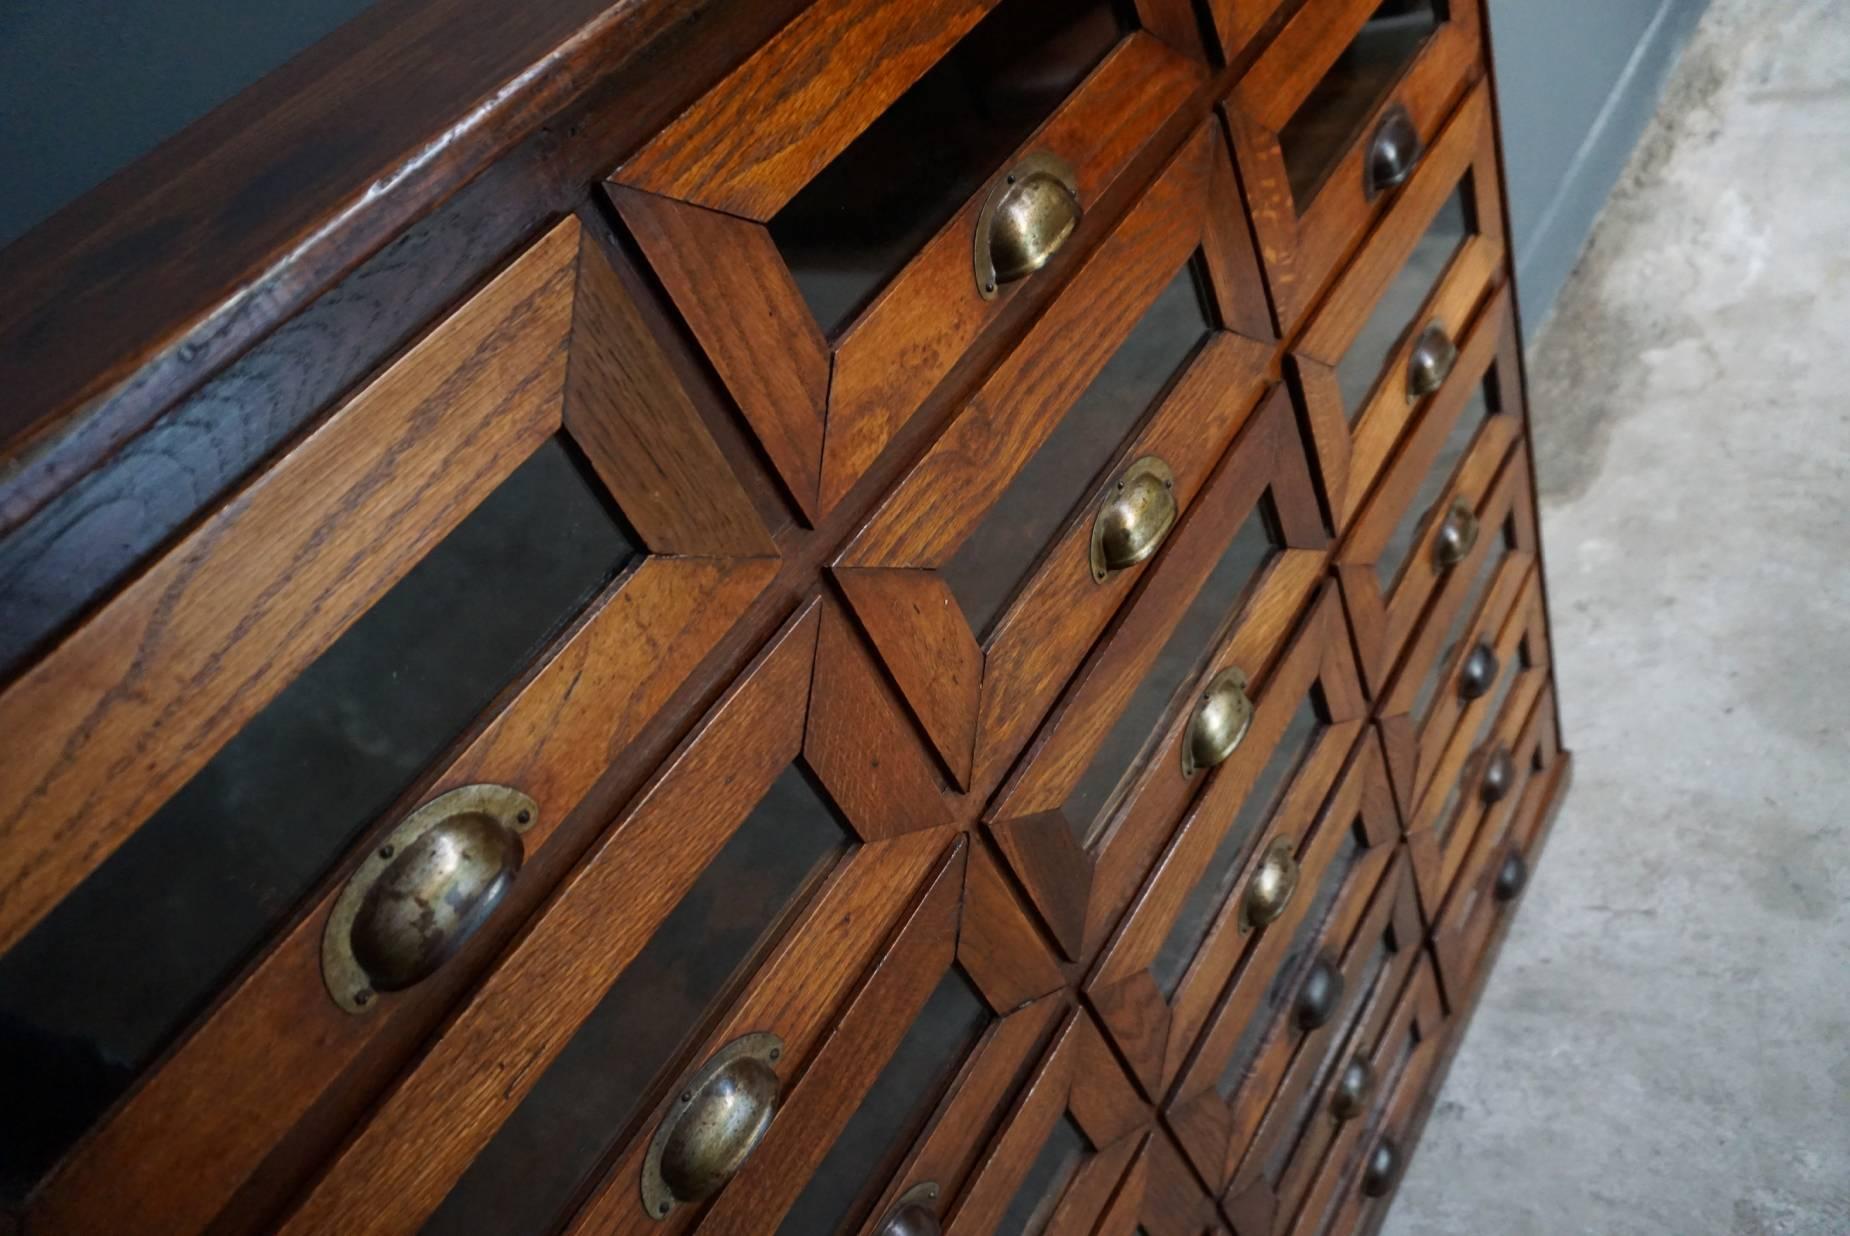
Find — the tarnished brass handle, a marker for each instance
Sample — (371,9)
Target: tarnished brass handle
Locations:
(423,892)
(1431,362)
(1499,776)
(1383,1165)
(913,1215)
(1222,716)
(1270,889)
(1138,512)
(1321,993)
(714,1124)
(1478,674)
(1029,214)
(1511,877)
(1456,535)
(1352,1090)
(1393,153)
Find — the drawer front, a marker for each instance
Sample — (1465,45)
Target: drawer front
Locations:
(1502,854)
(1099,791)
(1249,1097)
(1423,527)
(756,900)
(1386,337)
(1455,658)
(1227,869)
(1058,1160)
(1332,118)
(1237,22)
(1160,1196)
(407,604)
(1366,1159)
(1329,1085)
(1474,770)
(999,558)
(842,260)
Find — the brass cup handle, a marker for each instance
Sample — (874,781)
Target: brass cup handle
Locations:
(1138,512)
(1353,1087)
(1431,362)
(423,891)
(1393,153)
(1511,878)
(1478,674)
(1456,535)
(1270,889)
(1499,776)
(1321,992)
(912,1214)
(1028,215)
(714,1124)
(1382,1167)
(1221,719)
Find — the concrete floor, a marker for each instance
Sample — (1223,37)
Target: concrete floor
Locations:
(1665,1047)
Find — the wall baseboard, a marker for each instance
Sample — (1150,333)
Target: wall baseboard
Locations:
(1549,254)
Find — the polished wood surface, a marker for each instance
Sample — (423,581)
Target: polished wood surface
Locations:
(800,766)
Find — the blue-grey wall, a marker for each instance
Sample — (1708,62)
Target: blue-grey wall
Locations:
(1579,79)
(89,86)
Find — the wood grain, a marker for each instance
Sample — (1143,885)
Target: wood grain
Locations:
(740,301)
(926,643)
(920,323)
(1007,1159)
(998,943)
(124,711)
(636,423)
(1301,249)
(860,743)
(812,1114)
(749,144)
(399,1166)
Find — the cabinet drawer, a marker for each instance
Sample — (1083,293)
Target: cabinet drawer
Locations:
(1060,1155)
(1502,853)
(1102,786)
(408,603)
(1250,1094)
(1160,977)
(1327,1087)
(1454,658)
(1474,770)
(997,560)
(755,888)
(1160,1196)
(1332,118)
(1423,527)
(814,217)
(1385,338)
(1368,1155)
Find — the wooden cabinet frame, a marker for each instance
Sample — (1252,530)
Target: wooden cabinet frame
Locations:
(1455,788)
(1376,913)
(1469,925)
(1405,1061)
(1355,444)
(1153,1032)
(1080,890)
(1280,1163)
(1385,616)
(1301,249)
(1491,576)
(267,582)
(978,701)
(1080,1079)
(698,198)
(838,987)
